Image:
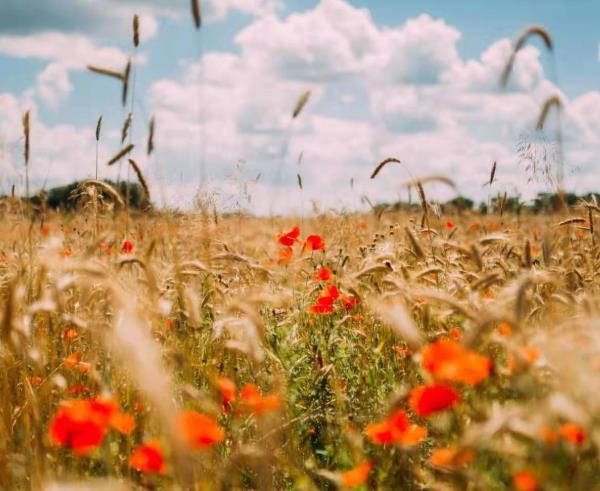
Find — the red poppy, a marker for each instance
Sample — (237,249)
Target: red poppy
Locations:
(227,391)
(253,401)
(427,400)
(396,429)
(349,301)
(199,430)
(126,247)
(314,243)
(357,476)
(289,238)
(525,481)
(148,458)
(45,230)
(450,225)
(78,389)
(323,274)
(70,333)
(325,301)
(81,424)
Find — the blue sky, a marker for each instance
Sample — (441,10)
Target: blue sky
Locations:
(384,77)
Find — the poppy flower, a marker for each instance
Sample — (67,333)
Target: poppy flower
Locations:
(148,458)
(285,255)
(325,301)
(44,230)
(227,391)
(199,430)
(504,329)
(525,481)
(253,401)
(127,247)
(349,301)
(447,360)
(314,243)
(573,433)
(70,333)
(548,435)
(323,274)
(450,225)
(427,400)
(451,457)
(396,429)
(288,239)
(81,424)
(122,422)
(357,476)
(36,380)
(73,361)
(530,353)
(455,333)
(78,389)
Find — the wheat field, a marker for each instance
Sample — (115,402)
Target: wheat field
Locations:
(166,351)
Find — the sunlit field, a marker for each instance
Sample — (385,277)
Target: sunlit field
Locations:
(418,344)
(199,352)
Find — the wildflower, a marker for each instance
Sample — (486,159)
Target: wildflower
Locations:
(450,225)
(170,324)
(285,255)
(525,481)
(227,391)
(44,230)
(78,389)
(36,381)
(396,429)
(448,360)
(255,402)
(199,430)
(325,301)
(349,301)
(314,243)
(357,476)
(81,424)
(530,353)
(127,247)
(148,457)
(548,435)
(455,333)
(573,433)
(66,252)
(323,274)
(73,361)
(70,333)
(427,400)
(122,422)
(289,238)
(504,329)
(451,457)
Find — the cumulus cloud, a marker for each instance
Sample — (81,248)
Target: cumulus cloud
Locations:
(52,84)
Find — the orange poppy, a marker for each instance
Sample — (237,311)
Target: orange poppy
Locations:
(525,481)
(122,422)
(323,274)
(504,329)
(451,457)
(199,430)
(395,429)
(573,433)
(455,333)
(289,238)
(548,435)
(314,243)
(349,301)
(530,353)
(74,361)
(356,476)
(227,390)
(286,255)
(427,400)
(256,403)
(70,333)
(148,458)
(448,360)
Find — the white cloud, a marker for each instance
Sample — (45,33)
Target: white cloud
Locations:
(53,84)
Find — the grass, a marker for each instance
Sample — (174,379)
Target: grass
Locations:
(197,299)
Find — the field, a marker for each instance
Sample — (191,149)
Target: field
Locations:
(405,351)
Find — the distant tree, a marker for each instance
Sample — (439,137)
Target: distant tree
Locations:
(460,204)
(62,196)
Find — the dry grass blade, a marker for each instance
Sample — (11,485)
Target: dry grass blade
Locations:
(570,221)
(415,243)
(104,186)
(302,100)
(98,128)
(125,129)
(519,43)
(106,71)
(553,101)
(136,30)
(425,180)
(396,317)
(140,178)
(382,164)
(125,79)
(121,154)
(493,173)
(299,180)
(150,145)
(197,13)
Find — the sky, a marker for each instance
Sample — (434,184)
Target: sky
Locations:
(414,79)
